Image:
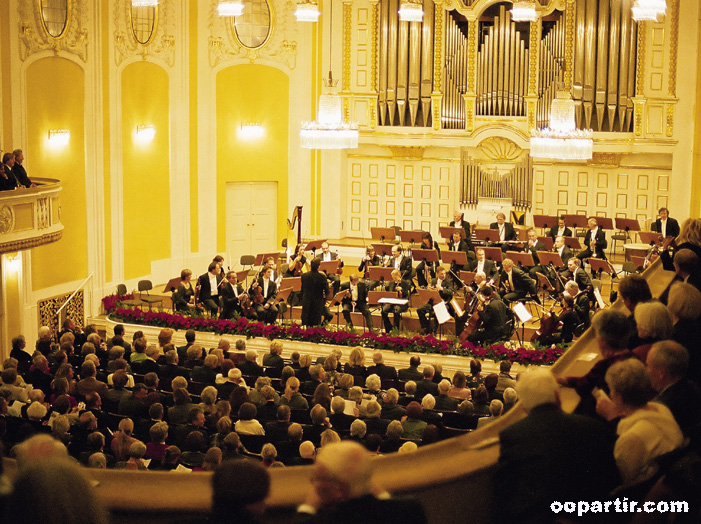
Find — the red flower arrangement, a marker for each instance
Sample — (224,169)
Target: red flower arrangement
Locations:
(243,327)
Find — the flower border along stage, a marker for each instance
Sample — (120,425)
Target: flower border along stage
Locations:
(243,327)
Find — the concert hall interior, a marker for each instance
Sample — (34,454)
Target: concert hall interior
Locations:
(162,136)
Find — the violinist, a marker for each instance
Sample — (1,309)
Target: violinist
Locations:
(262,295)
(370,259)
(402,287)
(185,294)
(482,265)
(422,269)
(327,255)
(577,274)
(581,303)
(444,286)
(495,317)
(568,320)
(533,245)
(220,262)
(209,288)
(356,300)
(298,263)
(458,244)
(233,299)
(515,283)
(270,264)
(459,221)
(400,261)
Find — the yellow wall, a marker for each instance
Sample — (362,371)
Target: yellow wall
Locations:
(248,93)
(55,100)
(6,78)
(194,231)
(146,181)
(10,272)
(107,200)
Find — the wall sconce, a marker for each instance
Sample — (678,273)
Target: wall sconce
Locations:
(252,130)
(59,137)
(227,8)
(14,262)
(145,133)
(307,11)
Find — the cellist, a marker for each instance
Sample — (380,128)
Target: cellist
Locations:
(234,300)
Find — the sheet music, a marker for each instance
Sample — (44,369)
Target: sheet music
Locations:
(395,301)
(441,311)
(522,312)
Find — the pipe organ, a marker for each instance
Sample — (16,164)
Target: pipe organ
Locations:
(476,182)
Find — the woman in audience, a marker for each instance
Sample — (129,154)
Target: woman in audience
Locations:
(393,440)
(459,389)
(412,424)
(332,375)
(247,423)
(136,455)
(59,430)
(231,447)
(496,410)
(59,388)
(157,447)
(178,413)
(123,440)
(374,385)
(121,365)
(685,305)
(212,460)
(510,399)
(654,323)
(646,431)
(328,436)
(475,379)
(303,372)
(356,363)
(194,449)
(239,396)
(185,293)
(345,383)
(223,409)
(480,401)
(65,370)
(292,397)
(222,431)
(269,455)
(689,238)
(209,399)
(286,373)
(171,460)
(322,396)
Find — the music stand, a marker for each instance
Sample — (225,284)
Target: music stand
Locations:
(628,224)
(638,263)
(380,274)
(647,237)
(575,221)
(336,301)
(546,258)
(425,255)
(459,258)
(495,254)
(603,265)
(572,243)
(412,237)
(433,297)
(383,250)
(467,277)
(447,232)
(520,259)
(172,284)
(487,235)
(548,241)
(314,245)
(329,267)
(383,234)
(544,221)
(545,285)
(260,257)
(294,283)
(604,222)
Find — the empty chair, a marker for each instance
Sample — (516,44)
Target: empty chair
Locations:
(122,291)
(145,285)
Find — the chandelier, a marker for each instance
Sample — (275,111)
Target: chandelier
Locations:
(562,140)
(648,10)
(329,131)
(524,11)
(144,3)
(307,11)
(227,8)
(411,11)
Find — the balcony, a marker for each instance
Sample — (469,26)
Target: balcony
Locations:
(30,217)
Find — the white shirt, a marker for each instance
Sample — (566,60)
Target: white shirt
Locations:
(501,232)
(354,293)
(480,267)
(265,287)
(213,284)
(663,227)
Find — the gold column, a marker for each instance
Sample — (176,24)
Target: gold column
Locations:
(437,95)
(639,98)
(470,96)
(374,34)
(533,60)
(345,86)
(570,12)
(673,54)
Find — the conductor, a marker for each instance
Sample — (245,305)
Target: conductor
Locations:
(315,289)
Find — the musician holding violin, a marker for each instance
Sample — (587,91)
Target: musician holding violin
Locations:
(263,291)
(356,300)
(234,299)
(298,263)
(400,262)
(426,271)
(444,286)
(209,288)
(554,328)
(456,243)
(495,319)
(402,287)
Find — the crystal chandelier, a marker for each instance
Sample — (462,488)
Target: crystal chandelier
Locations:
(411,11)
(307,11)
(329,131)
(562,140)
(144,3)
(648,10)
(226,8)
(524,11)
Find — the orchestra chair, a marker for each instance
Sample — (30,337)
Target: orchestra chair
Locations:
(122,291)
(247,260)
(146,285)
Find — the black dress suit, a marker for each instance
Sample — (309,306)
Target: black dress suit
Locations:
(489,268)
(565,254)
(424,387)
(495,326)
(365,265)
(315,289)
(396,310)
(229,300)
(466,227)
(383,371)
(21,175)
(582,279)
(266,314)
(404,265)
(210,301)
(553,456)
(554,232)
(509,231)
(409,374)
(460,246)
(672,227)
(332,277)
(533,250)
(421,268)
(370,509)
(600,244)
(168,372)
(361,304)
(523,285)
(683,398)
(250,368)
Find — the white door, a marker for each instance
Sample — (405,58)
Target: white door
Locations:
(251,211)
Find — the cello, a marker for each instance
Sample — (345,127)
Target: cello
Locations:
(548,325)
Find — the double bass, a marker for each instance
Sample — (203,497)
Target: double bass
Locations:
(548,325)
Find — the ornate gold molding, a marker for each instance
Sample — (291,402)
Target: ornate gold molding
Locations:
(569,43)
(497,148)
(472,29)
(533,48)
(28,243)
(280,47)
(34,39)
(161,45)
(373,44)
(669,120)
(638,103)
(347,27)
(640,66)
(673,49)
(438,48)
(412,152)
(605,159)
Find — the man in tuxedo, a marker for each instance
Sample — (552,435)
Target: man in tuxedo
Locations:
(402,287)
(459,221)
(231,291)
(577,274)
(400,262)
(343,491)
(356,300)
(458,244)
(560,230)
(495,317)
(315,289)
(551,455)
(665,225)
(19,171)
(481,264)
(533,246)
(444,286)
(561,249)
(209,288)
(506,229)
(326,256)
(516,283)
(412,372)
(379,367)
(595,242)
(267,311)
(581,303)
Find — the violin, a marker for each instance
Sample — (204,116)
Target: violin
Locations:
(258,297)
(245,303)
(298,264)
